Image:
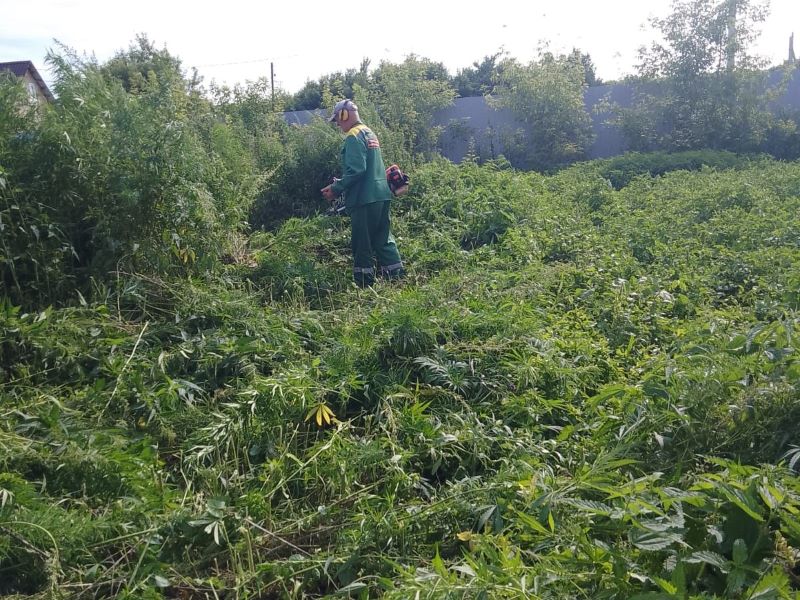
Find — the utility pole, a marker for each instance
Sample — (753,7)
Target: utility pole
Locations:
(272,82)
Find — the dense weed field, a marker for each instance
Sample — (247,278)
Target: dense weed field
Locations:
(579,392)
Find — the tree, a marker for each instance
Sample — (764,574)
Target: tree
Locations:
(129,169)
(143,61)
(338,84)
(703,37)
(309,97)
(406,95)
(546,96)
(699,87)
(478,79)
(586,63)
(252,104)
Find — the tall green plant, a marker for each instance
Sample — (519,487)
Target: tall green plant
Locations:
(546,97)
(699,86)
(308,159)
(35,251)
(145,178)
(406,95)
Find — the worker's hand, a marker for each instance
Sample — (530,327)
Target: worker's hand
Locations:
(328,193)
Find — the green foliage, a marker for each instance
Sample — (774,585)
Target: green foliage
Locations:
(585,61)
(621,170)
(587,386)
(479,79)
(308,159)
(141,62)
(703,36)
(336,85)
(35,251)
(406,95)
(783,137)
(110,179)
(719,111)
(699,88)
(578,391)
(546,96)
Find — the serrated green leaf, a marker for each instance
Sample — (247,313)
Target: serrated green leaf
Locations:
(775,584)
(665,585)
(532,523)
(590,506)
(709,558)
(736,580)
(438,564)
(740,499)
(653,541)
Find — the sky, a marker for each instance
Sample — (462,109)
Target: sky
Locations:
(235,41)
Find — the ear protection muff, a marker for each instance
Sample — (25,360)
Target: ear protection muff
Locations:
(344,112)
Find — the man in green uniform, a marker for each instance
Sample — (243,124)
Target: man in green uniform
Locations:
(367,197)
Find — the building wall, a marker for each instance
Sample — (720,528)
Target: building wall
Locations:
(471,124)
(34,91)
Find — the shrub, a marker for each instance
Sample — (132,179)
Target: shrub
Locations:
(546,96)
(309,159)
(622,169)
(111,179)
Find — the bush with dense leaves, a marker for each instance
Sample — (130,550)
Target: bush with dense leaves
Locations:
(144,179)
(620,170)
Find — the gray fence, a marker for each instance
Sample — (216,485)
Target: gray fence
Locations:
(471,124)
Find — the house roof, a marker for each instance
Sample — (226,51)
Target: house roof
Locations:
(20,67)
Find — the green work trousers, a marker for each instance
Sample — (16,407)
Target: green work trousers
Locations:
(371,239)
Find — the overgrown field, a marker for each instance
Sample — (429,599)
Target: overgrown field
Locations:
(578,392)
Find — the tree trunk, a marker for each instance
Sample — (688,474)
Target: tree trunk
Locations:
(731,50)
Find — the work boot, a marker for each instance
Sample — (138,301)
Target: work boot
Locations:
(364,277)
(393,272)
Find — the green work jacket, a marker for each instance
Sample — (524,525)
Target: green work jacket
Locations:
(363,173)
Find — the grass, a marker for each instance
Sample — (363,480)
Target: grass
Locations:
(578,392)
